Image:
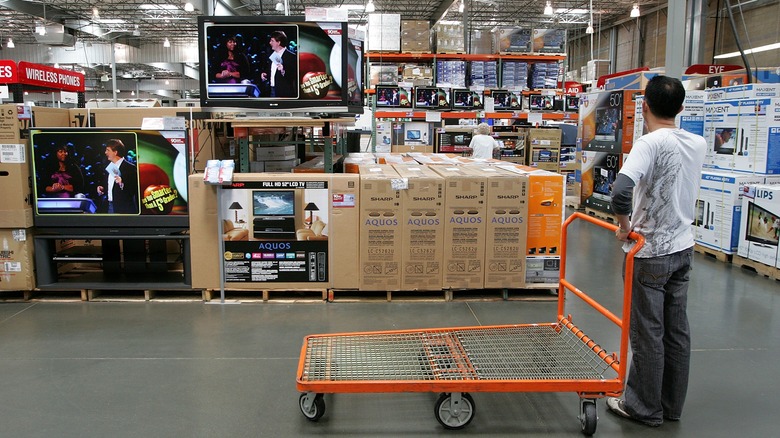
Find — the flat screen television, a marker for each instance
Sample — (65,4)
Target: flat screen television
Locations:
(279,63)
(539,102)
(762,225)
(602,181)
(466,99)
(391,96)
(607,120)
(455,141)
(430,97)
(572,103)
(79,180)
(413,134)
(505,100)
(273,203)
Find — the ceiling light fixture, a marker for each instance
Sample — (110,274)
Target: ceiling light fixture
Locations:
(462,6)
(95,13)
(56,65)
(279,7)
(136,31)
(548,10)
(189,7)
(589,30)
(10,44)
(749,51)
(370,7)
(167,43)
(635,11)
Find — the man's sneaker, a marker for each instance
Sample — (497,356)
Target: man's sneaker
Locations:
(617,407)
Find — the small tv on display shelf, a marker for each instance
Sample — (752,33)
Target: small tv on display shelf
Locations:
(109,178)
(391,96)
(430,97)
(273,203)
(466,99)
(279,63)
(506,100)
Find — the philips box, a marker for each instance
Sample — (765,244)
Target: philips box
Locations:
(719,208)
(423,228)
(759,230)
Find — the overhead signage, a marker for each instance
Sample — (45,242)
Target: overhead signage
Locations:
(41,76)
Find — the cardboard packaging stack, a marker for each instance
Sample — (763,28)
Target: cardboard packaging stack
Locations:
(17,268)
(449,38)
(384,33)
(415,36)
(381,228)
(423,227)
(544,149)
(515,40)
(274,159)
(464,227)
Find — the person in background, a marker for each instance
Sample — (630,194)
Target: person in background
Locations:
(232,64)
(65,178)
(121,180)
(482,144)
(654,195)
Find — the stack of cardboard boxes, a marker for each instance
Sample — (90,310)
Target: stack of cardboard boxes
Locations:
(415,36)
(17,270)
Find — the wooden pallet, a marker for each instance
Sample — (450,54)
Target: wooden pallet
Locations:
(601,215)
(143,295)
(718,255)
(353,295)
(573,202)
(265,295)
(542,293)
(759,268)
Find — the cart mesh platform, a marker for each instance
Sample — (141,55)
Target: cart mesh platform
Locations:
(522,352)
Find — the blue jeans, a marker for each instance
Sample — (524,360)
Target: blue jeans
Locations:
(660,337)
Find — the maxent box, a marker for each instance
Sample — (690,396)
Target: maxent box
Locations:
(719,208)
(423,227)
(507,220)
(381,227)
(545,216)
(759,229)
(743,135)
(464,227)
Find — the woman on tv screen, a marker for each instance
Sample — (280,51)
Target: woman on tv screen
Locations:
(64,175)
(232,65)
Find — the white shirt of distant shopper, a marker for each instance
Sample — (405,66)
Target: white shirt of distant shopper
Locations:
(482,144)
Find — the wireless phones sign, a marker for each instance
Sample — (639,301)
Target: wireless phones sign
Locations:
(41,76)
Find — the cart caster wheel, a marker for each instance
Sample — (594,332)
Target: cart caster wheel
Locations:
(454,411)
(588,417)
(312,406)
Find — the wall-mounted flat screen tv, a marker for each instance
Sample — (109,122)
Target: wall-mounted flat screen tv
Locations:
(106,177)
(273,202)
(762,225)
(279,63)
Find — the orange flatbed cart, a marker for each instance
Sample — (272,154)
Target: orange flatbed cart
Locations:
(543,357)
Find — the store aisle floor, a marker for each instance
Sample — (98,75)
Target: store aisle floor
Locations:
(161,369)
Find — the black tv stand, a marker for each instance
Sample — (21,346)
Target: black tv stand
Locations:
(274,227)
(131,260)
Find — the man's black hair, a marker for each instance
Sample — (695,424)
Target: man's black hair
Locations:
(664,96)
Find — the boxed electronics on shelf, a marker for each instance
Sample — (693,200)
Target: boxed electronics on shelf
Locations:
(549,40)
(423,227)
(719,207)
(759,229)
(415,36)
(544,148)
(381,227)
(464,227)
(384,32)
(515,40)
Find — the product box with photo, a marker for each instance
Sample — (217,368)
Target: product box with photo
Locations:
(381,227)
(759,230)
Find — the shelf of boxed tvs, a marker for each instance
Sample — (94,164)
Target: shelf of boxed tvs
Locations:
(58,233)
(738,207)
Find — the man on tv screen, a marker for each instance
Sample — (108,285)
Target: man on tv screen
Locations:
(283,73)
(121,186)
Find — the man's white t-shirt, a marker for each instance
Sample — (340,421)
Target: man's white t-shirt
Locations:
(482,146)
(665,166)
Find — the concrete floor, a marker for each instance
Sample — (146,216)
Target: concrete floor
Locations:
(189,369)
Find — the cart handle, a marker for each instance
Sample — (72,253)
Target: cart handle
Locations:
(623,322)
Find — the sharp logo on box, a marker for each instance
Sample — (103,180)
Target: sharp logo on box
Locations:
(424,198)
(383,198)
(508,196)
(764,194)
(272,246)
(465,196)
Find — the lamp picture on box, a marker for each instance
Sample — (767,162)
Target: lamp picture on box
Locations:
(311,208)
(236,206)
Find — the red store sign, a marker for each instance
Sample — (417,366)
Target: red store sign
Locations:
(40,76)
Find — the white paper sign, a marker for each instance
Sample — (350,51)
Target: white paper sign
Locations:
(12,153)
(4,92)
(69,97)
(432,116)
(535,118)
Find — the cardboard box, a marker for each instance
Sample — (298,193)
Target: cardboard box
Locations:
(464,227)
(549,40)
(743,135)
(506,227)
(17,267)
(449,38)
(719,208)
(515,40)
(544,149)
(412,148)
(281,165)
(384,32)
(275,153)
(630,81)
(546,211)
(15,180)
(749,91)
(381,228)
(267,251)
(423,228)
(759,229)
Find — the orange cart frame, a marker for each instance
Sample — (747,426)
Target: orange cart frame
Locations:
(545,357)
